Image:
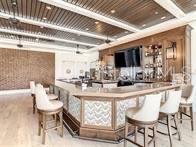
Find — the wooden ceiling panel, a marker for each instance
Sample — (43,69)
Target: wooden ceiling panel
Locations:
(31,39)
(37,10)
(4,23)
(186,5)
(136,12)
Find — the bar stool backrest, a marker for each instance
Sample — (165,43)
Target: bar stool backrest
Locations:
(150,109)
(172,103)
(189,92)
(42,100)
(32,87)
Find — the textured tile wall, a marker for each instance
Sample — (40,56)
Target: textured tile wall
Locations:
(18,67)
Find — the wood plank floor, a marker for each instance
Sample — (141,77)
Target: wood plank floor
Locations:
(18,128)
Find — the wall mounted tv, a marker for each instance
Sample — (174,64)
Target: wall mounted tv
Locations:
(130,57)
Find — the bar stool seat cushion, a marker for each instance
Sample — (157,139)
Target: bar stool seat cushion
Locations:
(185,101)
(131,112)
(56,104)
(52,96)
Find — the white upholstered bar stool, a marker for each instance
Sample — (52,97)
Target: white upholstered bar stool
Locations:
(32,89)
(169,110)
(188,94)
(143,117)
(45,109)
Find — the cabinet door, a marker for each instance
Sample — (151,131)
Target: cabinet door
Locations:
(111,85)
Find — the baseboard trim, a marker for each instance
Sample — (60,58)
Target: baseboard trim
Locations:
(17,91)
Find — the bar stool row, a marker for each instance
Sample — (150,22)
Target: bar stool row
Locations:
(49,109)
(153,110)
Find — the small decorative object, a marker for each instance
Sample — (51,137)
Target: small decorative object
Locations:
(171,51)
(68,71)
(81,71)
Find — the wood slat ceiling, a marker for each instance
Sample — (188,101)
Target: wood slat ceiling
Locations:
(186,5)
(49,42)
(4,23)
(37,10)
(136,12)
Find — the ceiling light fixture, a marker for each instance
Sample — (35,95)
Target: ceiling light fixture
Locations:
(41,27)
(163,17)
(96,22)
(44,18)
(87,29)
(156,12)
(113,11)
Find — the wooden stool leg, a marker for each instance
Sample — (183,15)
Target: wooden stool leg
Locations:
(39,124)
(44,129)
(169,129)
(146,136)
(61,122)
(155,135)
(34,104)
(177,126)
(136,133)
(192,118)
(180,115)
(126,133)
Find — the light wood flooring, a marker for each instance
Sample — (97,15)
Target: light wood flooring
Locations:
(18,128)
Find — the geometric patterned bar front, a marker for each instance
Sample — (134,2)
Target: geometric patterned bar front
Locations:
(98,113)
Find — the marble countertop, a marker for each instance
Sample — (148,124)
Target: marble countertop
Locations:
(119,92)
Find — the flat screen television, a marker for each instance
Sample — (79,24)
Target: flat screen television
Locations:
(130,57)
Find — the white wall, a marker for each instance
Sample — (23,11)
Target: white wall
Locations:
(74,62)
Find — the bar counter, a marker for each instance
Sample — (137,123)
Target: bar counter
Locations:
(99,113)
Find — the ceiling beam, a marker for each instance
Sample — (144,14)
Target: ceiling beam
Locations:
(171,7)
(165,26)
(28,44)
(55,27)
(29,34)
(76,9)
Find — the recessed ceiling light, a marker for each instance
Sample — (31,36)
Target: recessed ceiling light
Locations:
(44,18)
(48,7)
(41,27)
(113,11)
(163,17)
(156,12)
(87,29)
(96,22)
(143,25)
(37,39)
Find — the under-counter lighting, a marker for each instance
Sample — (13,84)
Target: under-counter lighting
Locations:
(163,17)
(113,11)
